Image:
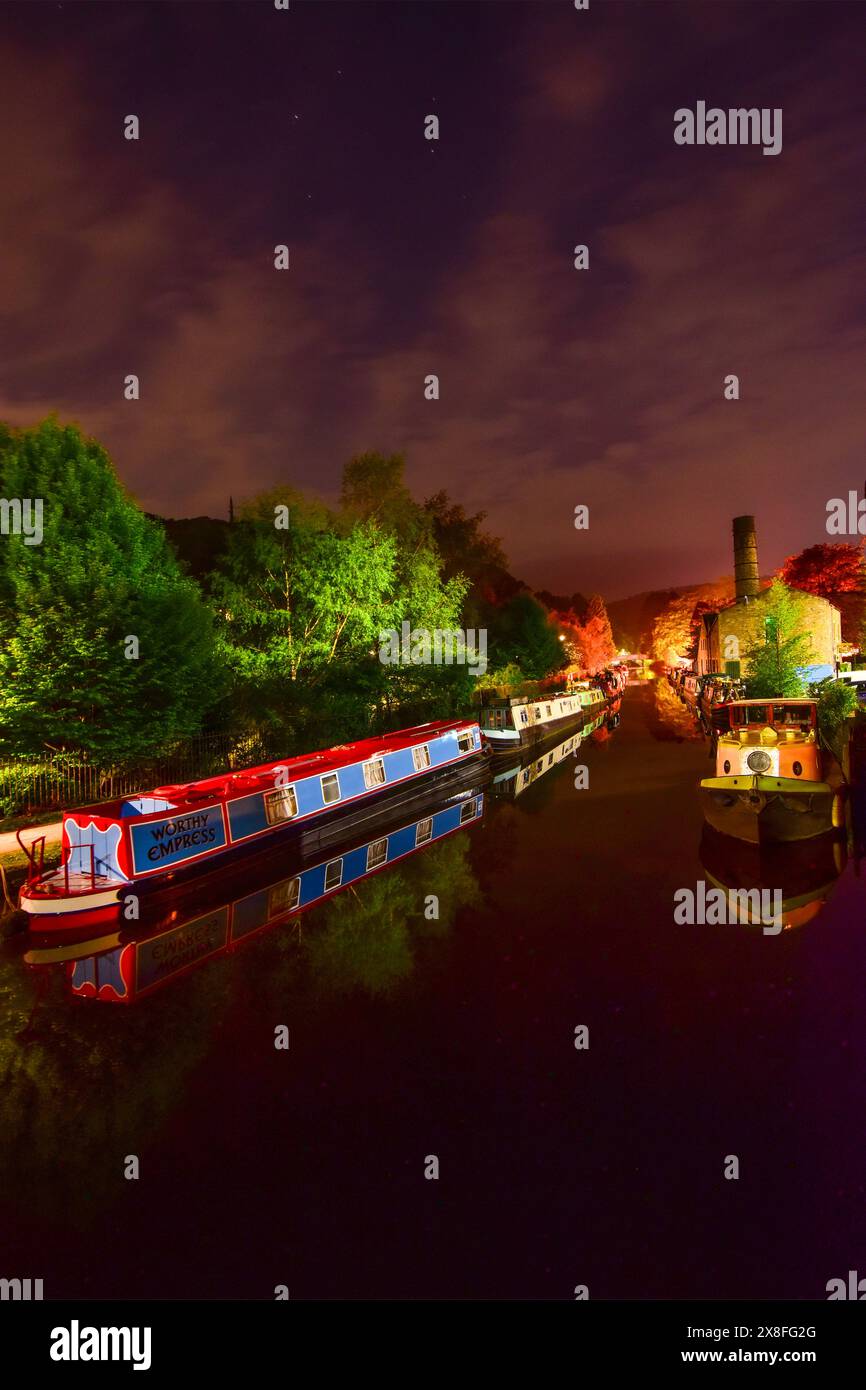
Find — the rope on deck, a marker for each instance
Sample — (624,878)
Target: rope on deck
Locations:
(11,906)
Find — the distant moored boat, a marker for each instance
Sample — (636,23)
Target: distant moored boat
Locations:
(519,721)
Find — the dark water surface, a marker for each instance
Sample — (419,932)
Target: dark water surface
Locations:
(455,1037)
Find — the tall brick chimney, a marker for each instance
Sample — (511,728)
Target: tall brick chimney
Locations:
(746,578)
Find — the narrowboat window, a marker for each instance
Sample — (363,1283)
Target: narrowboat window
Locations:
(334,874)
(467,812)
(424,831)
(792,716)
(550,760)
(549,711)
(377,853)
(374,773)
(331,788)
(524,717)
(538,711)
(284,897)
(421,757)
(280,805)
(465,741)
(751,714)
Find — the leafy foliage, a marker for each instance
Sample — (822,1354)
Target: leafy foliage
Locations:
(837,702)
(523,634)
(303,608)
(828,569)
(102,573)
(677,625)
(594,637)
(782,648)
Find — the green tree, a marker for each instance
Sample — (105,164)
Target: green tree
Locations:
(295,598)
(69,605)
(837,703)
(781,647)
(374,491)
(463,544)
(523,632)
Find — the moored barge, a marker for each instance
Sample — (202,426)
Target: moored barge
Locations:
(519,721)
(773,783)
(148,843)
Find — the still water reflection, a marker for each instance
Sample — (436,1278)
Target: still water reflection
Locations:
(431,997)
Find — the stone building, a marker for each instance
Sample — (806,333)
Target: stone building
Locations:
(744,619)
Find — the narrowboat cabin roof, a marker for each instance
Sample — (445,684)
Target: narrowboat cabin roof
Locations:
(263,775)
(490,699)
(739,710)
(779,700)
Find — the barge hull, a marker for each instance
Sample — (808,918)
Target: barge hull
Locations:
(769,810)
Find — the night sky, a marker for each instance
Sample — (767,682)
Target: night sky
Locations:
(455,257)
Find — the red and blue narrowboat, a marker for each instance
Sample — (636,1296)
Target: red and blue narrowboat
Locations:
(148,843)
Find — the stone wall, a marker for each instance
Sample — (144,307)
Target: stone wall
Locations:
(745,621)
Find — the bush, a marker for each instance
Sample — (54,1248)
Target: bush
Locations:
(836,704)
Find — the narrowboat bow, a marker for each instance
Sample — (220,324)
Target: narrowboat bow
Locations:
(147,843)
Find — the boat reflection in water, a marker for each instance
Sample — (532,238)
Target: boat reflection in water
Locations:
(513,781)
(123,966)
(218,912)
(804,873)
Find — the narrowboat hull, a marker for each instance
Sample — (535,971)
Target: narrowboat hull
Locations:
(71,899)
(770,810)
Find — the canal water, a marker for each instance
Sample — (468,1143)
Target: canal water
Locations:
(431,1014)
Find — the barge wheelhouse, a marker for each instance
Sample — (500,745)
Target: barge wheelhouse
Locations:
(147,843)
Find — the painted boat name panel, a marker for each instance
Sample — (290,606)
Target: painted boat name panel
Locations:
(174,839)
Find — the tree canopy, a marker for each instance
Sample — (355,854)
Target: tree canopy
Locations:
(303,589)
(827,569)
(103,574)
(781,648)
(525,635)
(594,636)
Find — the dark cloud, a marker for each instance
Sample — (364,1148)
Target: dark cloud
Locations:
(557,386)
